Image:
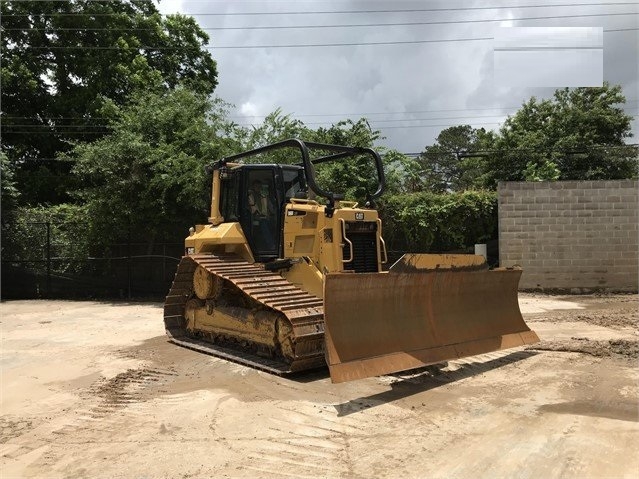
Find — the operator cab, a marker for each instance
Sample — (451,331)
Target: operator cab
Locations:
(255,196)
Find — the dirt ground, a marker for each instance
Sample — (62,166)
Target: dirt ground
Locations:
(93,389)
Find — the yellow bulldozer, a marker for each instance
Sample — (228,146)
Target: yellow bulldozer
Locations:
(288,276)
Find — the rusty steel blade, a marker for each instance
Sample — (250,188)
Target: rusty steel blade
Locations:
(417,263)
(380,323)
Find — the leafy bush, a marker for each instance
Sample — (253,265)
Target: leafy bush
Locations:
(423,222)
(24,237)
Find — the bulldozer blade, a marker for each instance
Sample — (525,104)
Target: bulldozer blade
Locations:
(416,262)
(381,323)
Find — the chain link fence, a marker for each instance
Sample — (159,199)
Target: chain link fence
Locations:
(41,260)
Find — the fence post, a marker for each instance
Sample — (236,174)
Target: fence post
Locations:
(163,263)
(128,262)
(49,292)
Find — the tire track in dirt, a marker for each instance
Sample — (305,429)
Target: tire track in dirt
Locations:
(621,348)
(13,426)
(308,440)
(170,412)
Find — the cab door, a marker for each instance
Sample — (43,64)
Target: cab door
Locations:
(261,217)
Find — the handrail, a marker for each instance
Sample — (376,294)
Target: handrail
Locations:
(379,230)
(303,201)
(338,152)
(341,220)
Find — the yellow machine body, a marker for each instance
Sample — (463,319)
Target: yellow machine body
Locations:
(328,299)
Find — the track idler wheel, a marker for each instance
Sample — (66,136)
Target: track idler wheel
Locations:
(206,285)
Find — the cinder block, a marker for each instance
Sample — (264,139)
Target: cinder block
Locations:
(574,194)
(589,237)
(613,184)
(585,213)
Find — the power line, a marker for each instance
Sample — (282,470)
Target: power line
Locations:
(59,133)
(399,112)
(435,126)
(402,119)
(352,25)
(584,149)
(508,150)
(401,42)
(63,129)
(311,114)
(425,119)
(349,12)
(411,10)
(295,45)
(57,127)
(32,132)
(2,117)
(374,123)
(208,47)
(446,22)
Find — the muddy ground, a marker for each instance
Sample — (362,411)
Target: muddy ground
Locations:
(93,389)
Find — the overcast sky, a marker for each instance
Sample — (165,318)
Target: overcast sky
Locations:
(410,91)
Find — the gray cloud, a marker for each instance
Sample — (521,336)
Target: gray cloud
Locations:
(394,79)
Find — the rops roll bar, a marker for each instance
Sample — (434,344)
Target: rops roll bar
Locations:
(337,152)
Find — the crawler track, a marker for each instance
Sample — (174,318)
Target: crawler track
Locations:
(301,313)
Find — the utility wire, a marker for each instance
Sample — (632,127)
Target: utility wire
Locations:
(508,150)
(52,129)
(373,125)
(584,149)
(295,45)
(351,25)
(349,12)
(32,132)
(208,47)
(106,125)
(401,42)
(311,114)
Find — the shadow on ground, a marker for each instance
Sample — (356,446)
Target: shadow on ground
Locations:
(418,381)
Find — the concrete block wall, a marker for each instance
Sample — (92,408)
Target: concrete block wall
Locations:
(576,236)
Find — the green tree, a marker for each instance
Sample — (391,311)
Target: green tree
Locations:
(580,131)
(276,126)
(25,238)
(450,163)
(355,177)
(547,171)
(62,59)
(147,176)
(10,193)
